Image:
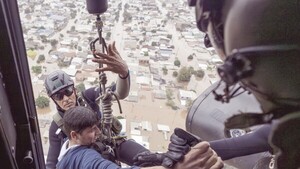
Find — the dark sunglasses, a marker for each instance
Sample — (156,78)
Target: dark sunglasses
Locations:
(60,94)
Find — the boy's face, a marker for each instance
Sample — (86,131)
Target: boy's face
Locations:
(88,135)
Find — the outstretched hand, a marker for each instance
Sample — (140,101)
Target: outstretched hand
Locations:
(112,60)
(180,143)
(201,156)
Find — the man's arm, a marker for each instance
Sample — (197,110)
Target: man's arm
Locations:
(54,147)
(116,64)
(247,144)
(127,150)
(123,86)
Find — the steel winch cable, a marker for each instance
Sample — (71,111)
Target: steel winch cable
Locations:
(105,96)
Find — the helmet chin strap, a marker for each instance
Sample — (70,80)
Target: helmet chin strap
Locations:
(229,92)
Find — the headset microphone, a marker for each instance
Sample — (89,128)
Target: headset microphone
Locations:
(96,7)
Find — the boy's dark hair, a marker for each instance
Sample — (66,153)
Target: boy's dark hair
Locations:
(79,118)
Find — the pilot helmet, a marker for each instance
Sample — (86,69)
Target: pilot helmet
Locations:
(56,81)
(260,40)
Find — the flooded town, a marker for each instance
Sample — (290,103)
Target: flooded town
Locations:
(165,53)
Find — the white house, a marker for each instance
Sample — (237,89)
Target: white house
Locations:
(185,95)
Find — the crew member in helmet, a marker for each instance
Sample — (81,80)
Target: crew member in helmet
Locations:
(260,43)
(60,88)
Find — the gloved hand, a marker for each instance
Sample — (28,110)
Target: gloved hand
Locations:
(148,159)
(181,142)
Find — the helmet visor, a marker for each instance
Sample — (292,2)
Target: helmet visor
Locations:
(68,91)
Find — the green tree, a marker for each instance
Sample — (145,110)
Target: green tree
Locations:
(190,57)
(72,28)
(126,6)
(199,73)
(27,11)
(188,103)
(108,35)
(41,58)
(36,69)
(120,117)
(73,14)
(165,70)
(61,63)
(42,102)
(44,38)
(127,16)
(31,53)
(191,70)
(154,44)
(184,75)
(53,42)
(169,94)
(146,53)
(171,104)
(80,87)
(177,63)
(175,74)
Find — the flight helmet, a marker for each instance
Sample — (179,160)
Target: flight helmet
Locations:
(56,81)
(261,45)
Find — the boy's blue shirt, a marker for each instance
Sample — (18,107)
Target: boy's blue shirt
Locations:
(83,157)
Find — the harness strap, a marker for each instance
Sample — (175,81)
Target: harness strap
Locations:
(59,122)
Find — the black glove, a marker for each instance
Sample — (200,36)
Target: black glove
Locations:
(181,142)
(148,159)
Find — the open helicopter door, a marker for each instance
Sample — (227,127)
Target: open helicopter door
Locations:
(206,119)
(20,140)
